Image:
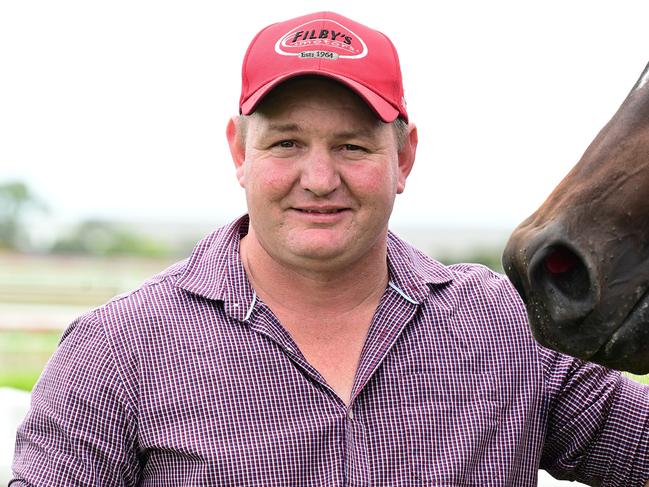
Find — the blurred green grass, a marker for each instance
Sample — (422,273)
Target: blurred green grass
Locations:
(23,356)
(643,379)
(41,294)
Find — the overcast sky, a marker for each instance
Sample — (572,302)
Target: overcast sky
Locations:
(118,108)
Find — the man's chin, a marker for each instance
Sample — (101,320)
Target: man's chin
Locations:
(327,251)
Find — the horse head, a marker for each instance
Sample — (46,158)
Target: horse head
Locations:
(581,261)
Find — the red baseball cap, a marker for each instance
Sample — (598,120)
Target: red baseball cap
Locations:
(330,45)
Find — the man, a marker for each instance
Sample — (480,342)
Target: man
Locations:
(304,344)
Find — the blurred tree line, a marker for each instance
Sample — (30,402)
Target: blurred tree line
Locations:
(18,204)
(99,237)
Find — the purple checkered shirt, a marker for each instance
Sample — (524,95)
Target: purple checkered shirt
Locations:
(191,380)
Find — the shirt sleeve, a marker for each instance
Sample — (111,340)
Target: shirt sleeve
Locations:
(598,424)
(81,428)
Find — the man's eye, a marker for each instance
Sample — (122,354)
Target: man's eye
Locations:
(354,147)
(287,144)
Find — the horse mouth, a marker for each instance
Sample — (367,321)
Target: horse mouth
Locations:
(627,348)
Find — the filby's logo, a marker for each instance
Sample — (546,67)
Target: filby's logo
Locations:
(314,39)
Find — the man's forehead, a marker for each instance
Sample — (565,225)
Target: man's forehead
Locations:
(371,130)
(286,123)
(302,90)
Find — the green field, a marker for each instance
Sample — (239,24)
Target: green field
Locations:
(643,379)
(41,294)
(23,356)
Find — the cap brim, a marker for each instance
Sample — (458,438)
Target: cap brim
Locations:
(382,108)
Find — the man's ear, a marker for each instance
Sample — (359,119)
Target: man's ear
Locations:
(233,133)
(407,157)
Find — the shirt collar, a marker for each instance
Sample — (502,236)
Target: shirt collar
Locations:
(215,271)
(412,272)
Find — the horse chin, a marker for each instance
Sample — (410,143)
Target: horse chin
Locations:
(568,336)
(638,365)
(626,349)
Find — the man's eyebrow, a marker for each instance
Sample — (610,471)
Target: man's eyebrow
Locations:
(365,132)
(284,127)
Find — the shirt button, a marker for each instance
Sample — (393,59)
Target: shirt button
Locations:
(350,414)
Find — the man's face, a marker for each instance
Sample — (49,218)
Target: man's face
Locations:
(321,173)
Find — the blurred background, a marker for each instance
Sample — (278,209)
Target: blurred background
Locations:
(113,160)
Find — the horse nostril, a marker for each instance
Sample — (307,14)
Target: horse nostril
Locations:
(566,273)
(562,280)
(560,260)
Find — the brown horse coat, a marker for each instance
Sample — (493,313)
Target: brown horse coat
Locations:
(581,261)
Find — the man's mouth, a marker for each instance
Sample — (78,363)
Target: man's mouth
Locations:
(321,210)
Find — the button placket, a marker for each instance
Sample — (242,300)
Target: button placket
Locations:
(357,470)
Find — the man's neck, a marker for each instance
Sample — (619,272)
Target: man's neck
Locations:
(327,309)
(339,288)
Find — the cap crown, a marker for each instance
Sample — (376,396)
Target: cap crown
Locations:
(330,45)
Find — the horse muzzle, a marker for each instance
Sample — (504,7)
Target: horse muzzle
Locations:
(572,304)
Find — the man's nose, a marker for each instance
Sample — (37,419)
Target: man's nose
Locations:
(320,173)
